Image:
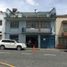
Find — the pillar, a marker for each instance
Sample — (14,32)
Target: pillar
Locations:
(38,41)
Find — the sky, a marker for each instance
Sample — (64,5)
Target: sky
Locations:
(31,5)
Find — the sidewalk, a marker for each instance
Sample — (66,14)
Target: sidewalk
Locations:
(51,49)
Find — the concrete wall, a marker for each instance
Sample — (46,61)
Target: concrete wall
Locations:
(53,27)
(59,28)
(2,15)
(9,31)
(22,38)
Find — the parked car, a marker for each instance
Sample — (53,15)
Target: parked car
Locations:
(6,43)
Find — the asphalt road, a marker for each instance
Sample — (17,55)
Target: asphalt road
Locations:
(37,58)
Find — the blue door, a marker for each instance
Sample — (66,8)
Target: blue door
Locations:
(52,41)
(47,41)
(44,41)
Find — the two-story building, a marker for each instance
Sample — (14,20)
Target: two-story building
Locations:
(61,31)
(37,28)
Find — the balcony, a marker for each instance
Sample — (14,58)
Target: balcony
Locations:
(31,30)
(36,30)
(45,30)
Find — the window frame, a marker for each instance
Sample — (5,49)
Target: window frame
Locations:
(0,22)
(14,24)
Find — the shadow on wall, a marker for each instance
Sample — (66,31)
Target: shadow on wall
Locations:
(60,30)
(60,45)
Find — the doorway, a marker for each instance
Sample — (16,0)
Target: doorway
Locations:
(32,40)
(47,41)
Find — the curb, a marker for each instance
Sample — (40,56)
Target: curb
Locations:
(50,49)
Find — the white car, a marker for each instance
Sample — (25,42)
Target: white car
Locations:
(11,44)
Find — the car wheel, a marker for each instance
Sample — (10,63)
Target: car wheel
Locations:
(19,48)
(2,47)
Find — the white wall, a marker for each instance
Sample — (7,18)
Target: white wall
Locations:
(22,38)
(2,15)
(53,27)
(2,29)
(14,31)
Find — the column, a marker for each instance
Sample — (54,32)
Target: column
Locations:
(38,41)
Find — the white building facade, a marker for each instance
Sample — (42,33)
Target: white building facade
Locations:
(37,27)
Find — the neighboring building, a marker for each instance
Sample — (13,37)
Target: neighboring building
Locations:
(2,21)
(61,31)
(37,28)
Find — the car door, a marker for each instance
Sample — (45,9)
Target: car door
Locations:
(12,44)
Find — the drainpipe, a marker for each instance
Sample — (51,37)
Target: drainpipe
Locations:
(39,41)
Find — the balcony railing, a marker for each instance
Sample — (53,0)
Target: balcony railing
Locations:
(36,30)
(45,30)
(32,30)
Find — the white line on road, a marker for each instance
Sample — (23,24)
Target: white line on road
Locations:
(49,54)
(26,53)
(4,52)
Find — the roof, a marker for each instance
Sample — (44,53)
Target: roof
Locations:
(62,16)
(32,14)
(64,21)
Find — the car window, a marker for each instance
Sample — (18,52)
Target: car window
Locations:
(12,41)
(8,41)
(5,40)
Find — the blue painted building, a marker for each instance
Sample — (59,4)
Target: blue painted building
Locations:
(32,28)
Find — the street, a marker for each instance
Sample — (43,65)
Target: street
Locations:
(29,58)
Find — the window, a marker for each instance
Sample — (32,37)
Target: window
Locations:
(0,22)
(32,24)
(12,41)
(14,37)
(45,24)
(63,41)
(5,41)
(65,27)
(0,37)
(14,24)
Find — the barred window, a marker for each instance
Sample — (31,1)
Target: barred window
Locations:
(65,27)
(0,22)
(14,24)
(32,24)
(45,24)
(0,37)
